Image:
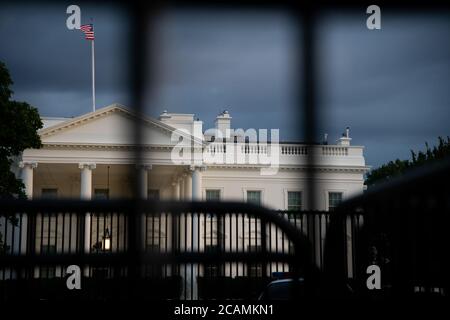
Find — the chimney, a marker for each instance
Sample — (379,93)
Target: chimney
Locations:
(325,138)
(164,116)
(223,123)
(345,139)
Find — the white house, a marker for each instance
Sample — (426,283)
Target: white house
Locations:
(93,155)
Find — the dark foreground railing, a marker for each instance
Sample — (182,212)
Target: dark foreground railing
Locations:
(149,249)
(405,233)
(183,250)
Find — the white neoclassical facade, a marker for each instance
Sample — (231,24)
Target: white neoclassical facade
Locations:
(94,155)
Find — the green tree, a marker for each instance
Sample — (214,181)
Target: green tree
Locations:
(398,167)
(19,123)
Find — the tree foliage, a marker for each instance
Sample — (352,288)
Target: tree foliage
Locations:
(398,167)
(19,123)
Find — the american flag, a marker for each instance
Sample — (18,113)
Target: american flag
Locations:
(88,30)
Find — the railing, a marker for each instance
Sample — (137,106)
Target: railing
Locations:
(284,149)
(334,151)
(294,150)
(179,250)
(284,154)
(230,250)
(315,226)
(404,233)
(162,250)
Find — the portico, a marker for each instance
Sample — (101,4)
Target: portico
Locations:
(89,180)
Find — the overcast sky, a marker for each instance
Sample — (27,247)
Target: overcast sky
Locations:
(391,86)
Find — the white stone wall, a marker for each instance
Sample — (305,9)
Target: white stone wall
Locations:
(234,183)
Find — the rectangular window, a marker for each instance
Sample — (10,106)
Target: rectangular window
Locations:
(101,194)
(49,193)
(212,195)
(153,194)
(153,231)
(334,199)
(254,197)
(294,200)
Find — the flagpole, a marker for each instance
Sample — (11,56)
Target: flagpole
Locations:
(93,76)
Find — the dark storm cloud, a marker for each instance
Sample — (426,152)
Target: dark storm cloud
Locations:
(389,85)
(51,65)
(242,62)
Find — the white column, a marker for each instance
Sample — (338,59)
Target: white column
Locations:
(196,196)
(86,180)
(182,188)
(27,177)
(143,194)
(86,194)
(176,190)
(197,182)
(143,180)
(188,186)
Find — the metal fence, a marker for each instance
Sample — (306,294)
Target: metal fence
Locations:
(404,233)
(176,251)
(183,250)
(166,250)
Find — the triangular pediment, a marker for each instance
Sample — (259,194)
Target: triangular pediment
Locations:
(112,125)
